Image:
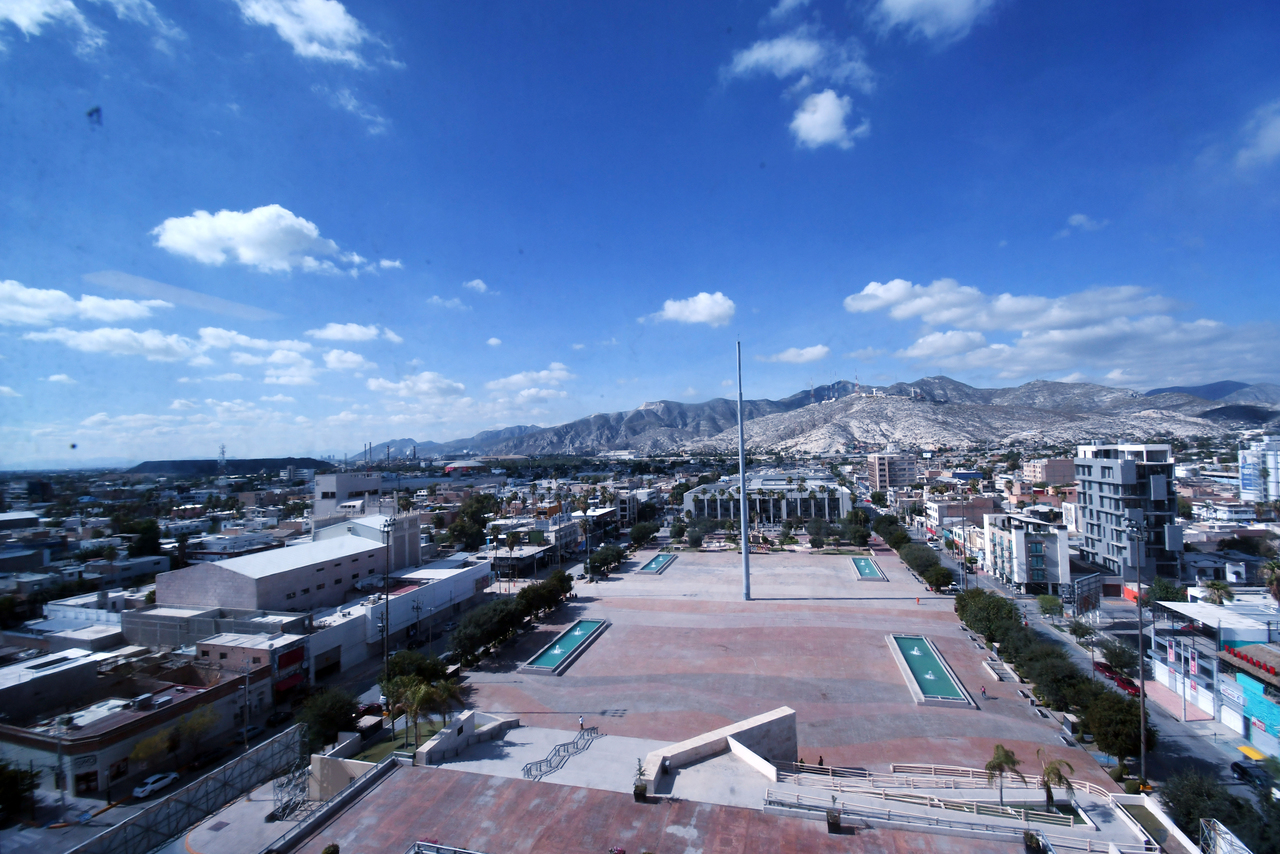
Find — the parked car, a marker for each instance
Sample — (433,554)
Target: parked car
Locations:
(208,758)
(253,732)
(1124,683)
(279,717)
(1105,669)
(448,627)
(1253,775)
(416,643)
(153,784)
(366,709)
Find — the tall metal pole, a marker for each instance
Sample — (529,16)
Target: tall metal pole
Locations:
(1136,530)
(742,487)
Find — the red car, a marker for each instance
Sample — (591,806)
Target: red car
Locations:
(1127,685)
(1105,669)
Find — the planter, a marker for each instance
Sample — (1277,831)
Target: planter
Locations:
(833,821)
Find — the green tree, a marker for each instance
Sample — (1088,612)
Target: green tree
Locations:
(643,532)
(1050,606)
(1164,590)
(197,724)
(694,538)
(938,577)
(879,499)
(412,663)
(1051,775)
(17,785)
(1270,573)
(153,747)
(1114,721)
(1003,762)
(328,713)
(1122,657)
(1217,592)
(1081,630)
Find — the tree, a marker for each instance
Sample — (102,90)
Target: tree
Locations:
(199,723)
(405,503)
(327,714)
(879,499)
(1050,606)
(1217,592)
(1081,631)
(1122,657)
(1003,762)
(1270,573)
(153,747)
(395,691)
(17,785)
(412,663)
(1164,590)
(642,532)
(1114,721)
(1051,775)
(938,577)
(416,698)
(1189,796)
(694,539)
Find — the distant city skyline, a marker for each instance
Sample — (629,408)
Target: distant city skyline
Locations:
(294,227)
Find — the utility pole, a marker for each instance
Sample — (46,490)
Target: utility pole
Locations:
(387,528)
(1136,530)
(742,488)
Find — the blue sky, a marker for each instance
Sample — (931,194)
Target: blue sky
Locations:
(294,226)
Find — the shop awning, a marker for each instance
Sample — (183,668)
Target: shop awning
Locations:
(289,681)
(1252,752)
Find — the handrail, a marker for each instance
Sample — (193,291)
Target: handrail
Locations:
(1032,781)
(560,754)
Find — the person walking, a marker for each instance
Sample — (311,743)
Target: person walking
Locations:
(984,693)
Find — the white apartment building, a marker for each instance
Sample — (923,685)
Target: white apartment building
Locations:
(1026,552)
(1260,470)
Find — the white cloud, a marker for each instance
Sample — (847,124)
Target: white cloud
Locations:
(391,336)
(345,360)
(5,391)
(315,29)
(375,122)
(938,345)
(798,355)
(344,332)
(712,309)
(182,404)
(866,353)
(388,264)
(152,344)
(32,16)
(727,383)
(60,378)
(453,303)
(142,12)
(247,359)
(288,367)
(1262,135)
(539,394)
(428,385)
(820,120)
(690,391)
(1081,222)
(227,378)
(807,53)
(786,7)
(555,374)
(494,342)
(941,20)
(40,307)
(579,346)
(946,302)
(212,336)
(269,238)
(476,285)
(277,398)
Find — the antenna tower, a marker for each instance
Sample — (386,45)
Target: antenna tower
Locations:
(222,459)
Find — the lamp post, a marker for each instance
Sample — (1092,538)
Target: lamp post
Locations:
(387,527)
(417,617)
(1135,529)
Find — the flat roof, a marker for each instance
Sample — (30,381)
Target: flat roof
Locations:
(268,563)
(1226,616)
(34,668)
(248,641)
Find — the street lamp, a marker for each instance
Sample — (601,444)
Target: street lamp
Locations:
(1135,529)
(417,617)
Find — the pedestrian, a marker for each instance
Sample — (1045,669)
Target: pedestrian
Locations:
(819,760)
(580,716)
(984,692)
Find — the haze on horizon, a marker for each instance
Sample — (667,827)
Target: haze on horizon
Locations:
(293,227)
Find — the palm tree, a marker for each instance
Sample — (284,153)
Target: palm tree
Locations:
(416,698)
(1003,762)
(446,692)
(1271,577)
(1051,775)
(395,691)
(1216,592)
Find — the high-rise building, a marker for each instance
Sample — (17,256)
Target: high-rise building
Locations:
(1260,471)
(891,470)
(1127,509)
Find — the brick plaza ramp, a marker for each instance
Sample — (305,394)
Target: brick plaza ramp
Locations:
(499,815)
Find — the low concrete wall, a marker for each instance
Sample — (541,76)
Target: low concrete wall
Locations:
(467,729)
(330,775)
(770,736)
(753,759)
(347,745)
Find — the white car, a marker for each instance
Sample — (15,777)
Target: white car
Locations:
(153,784)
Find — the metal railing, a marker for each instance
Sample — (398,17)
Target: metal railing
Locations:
(1031,781)
(975,807)
(561,754)
(429,847)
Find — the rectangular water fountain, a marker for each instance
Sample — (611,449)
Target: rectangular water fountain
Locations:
(868,569)
(658,563)
(927,674)
(555,658)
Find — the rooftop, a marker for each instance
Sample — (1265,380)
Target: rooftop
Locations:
(265,564)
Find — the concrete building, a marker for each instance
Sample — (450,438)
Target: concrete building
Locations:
(170,627)
(334,490)
(1027,552)
(286,655)
(1054,472)
(1128,509)
(1260,470)
(773,497)
(298,578)
(945,514)
(1234,512)
(401,534)
(891,470)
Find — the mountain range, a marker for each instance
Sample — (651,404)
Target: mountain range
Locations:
(929,412)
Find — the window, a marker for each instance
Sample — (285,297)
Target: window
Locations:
(337,581)
(355,576)
(204,653)
(319,569)
(222,655)
(320,586)
(257,660)
(306,590)
(372,571)
(290,595)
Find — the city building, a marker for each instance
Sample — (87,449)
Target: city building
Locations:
(772,497)
(1027,552)
(1127,507)
(891,469)
(286,655)
(1234,512)
(334,490)
(402,535)
(1260,470)
(1053,472)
